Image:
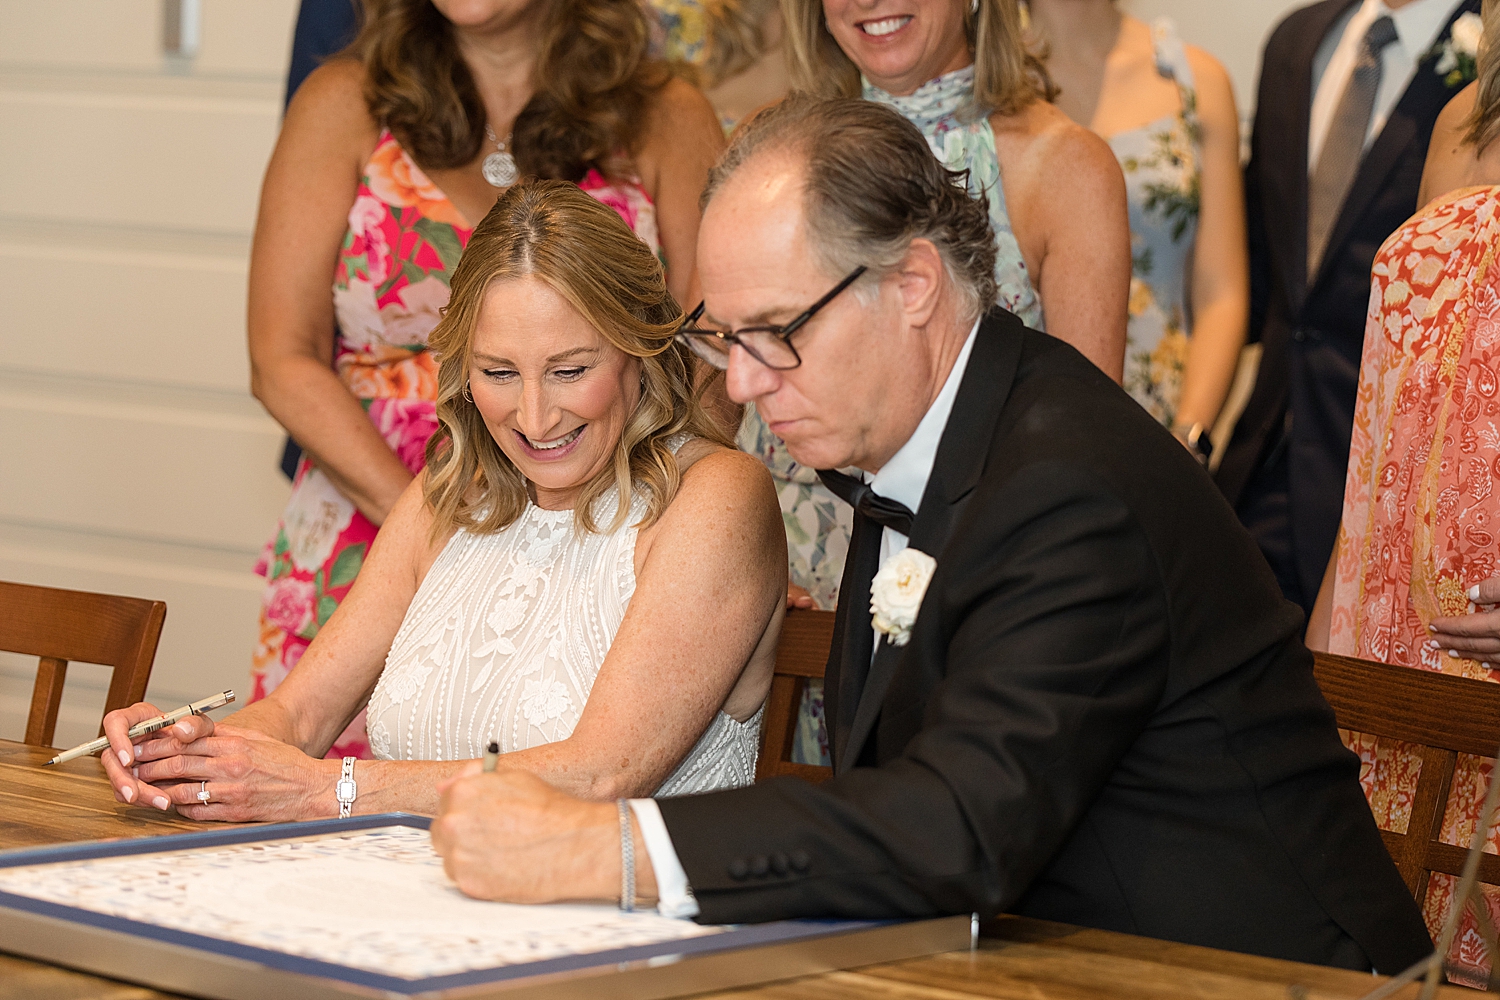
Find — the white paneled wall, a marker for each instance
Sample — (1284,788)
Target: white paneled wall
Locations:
(132,458)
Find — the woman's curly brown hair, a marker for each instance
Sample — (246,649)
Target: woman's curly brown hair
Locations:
(593,83)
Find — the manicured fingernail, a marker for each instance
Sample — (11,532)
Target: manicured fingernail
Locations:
(1474,592)
(125,757)
(160,802)
(1453,653)
(1432,644)
(127,793)
(1432,628)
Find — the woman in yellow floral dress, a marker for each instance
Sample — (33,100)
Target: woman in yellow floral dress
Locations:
(387,159)
(1416,554)
(1168,113)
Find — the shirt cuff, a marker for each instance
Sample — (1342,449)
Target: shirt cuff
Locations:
(674,897)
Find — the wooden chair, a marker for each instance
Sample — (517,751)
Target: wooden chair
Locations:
(63,625)
(801,655)
(1445,716)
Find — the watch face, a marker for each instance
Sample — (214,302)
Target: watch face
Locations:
(344,790)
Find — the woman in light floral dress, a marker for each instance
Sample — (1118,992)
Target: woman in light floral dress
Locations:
(1055,193)
(373,187)
(1167,110)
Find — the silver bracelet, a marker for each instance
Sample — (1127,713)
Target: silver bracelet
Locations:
(627,859)
(346,789)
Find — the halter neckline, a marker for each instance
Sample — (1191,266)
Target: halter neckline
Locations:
(937,99)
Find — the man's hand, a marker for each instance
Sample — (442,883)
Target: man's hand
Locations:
(512,837)
(1473,636)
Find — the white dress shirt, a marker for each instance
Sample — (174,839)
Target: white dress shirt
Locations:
(903,478)
(1418,25)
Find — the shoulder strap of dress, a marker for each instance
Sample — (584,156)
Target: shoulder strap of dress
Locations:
(1172,63)
(381,141)
(1171,54)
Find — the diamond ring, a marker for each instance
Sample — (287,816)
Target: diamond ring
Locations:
(203,795)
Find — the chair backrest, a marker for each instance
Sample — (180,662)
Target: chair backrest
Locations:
(1444,716)
(801,655)
(63,625)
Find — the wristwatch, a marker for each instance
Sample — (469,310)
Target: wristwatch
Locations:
(346,789)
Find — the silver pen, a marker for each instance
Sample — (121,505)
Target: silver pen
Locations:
(149,726)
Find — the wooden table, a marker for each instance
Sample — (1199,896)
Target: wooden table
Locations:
(1017,958)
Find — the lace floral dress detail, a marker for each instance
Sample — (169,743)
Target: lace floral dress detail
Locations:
(390,285)
(817,524)
(1162,169)
(503,641)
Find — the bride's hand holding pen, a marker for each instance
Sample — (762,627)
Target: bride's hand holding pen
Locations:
(210,771)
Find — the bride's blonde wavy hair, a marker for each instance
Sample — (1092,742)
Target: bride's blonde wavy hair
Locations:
(552,231)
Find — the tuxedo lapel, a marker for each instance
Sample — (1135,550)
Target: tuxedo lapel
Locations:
(956,471)
(1423,98)
(1284,126)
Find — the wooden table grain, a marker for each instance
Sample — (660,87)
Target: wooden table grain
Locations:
(1017,958)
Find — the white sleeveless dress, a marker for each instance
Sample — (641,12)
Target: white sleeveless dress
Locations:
(503,641)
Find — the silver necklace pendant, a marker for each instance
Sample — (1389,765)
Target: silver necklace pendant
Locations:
(499,169)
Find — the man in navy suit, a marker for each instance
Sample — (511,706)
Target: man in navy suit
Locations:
(324,28)
(1349,92)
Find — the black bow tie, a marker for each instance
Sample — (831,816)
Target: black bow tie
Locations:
(883,511)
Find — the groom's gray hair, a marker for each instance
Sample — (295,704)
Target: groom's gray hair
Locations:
(872,186)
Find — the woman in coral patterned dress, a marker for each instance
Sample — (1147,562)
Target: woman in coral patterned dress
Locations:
(1417,545)
(387,159)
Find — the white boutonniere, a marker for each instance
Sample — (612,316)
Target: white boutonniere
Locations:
(1458,54)
(896,593)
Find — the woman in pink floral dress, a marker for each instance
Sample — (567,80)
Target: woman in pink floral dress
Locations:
(387,158)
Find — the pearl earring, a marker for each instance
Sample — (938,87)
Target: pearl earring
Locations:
(973,6)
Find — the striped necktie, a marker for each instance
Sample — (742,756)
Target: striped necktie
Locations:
(1345,145)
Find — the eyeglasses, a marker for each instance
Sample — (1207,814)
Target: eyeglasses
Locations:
(770,345)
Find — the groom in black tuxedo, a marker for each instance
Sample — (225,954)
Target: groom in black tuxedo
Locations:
(1349,92)
(1102,714)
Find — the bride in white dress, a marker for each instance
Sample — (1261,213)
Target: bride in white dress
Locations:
(614,647)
